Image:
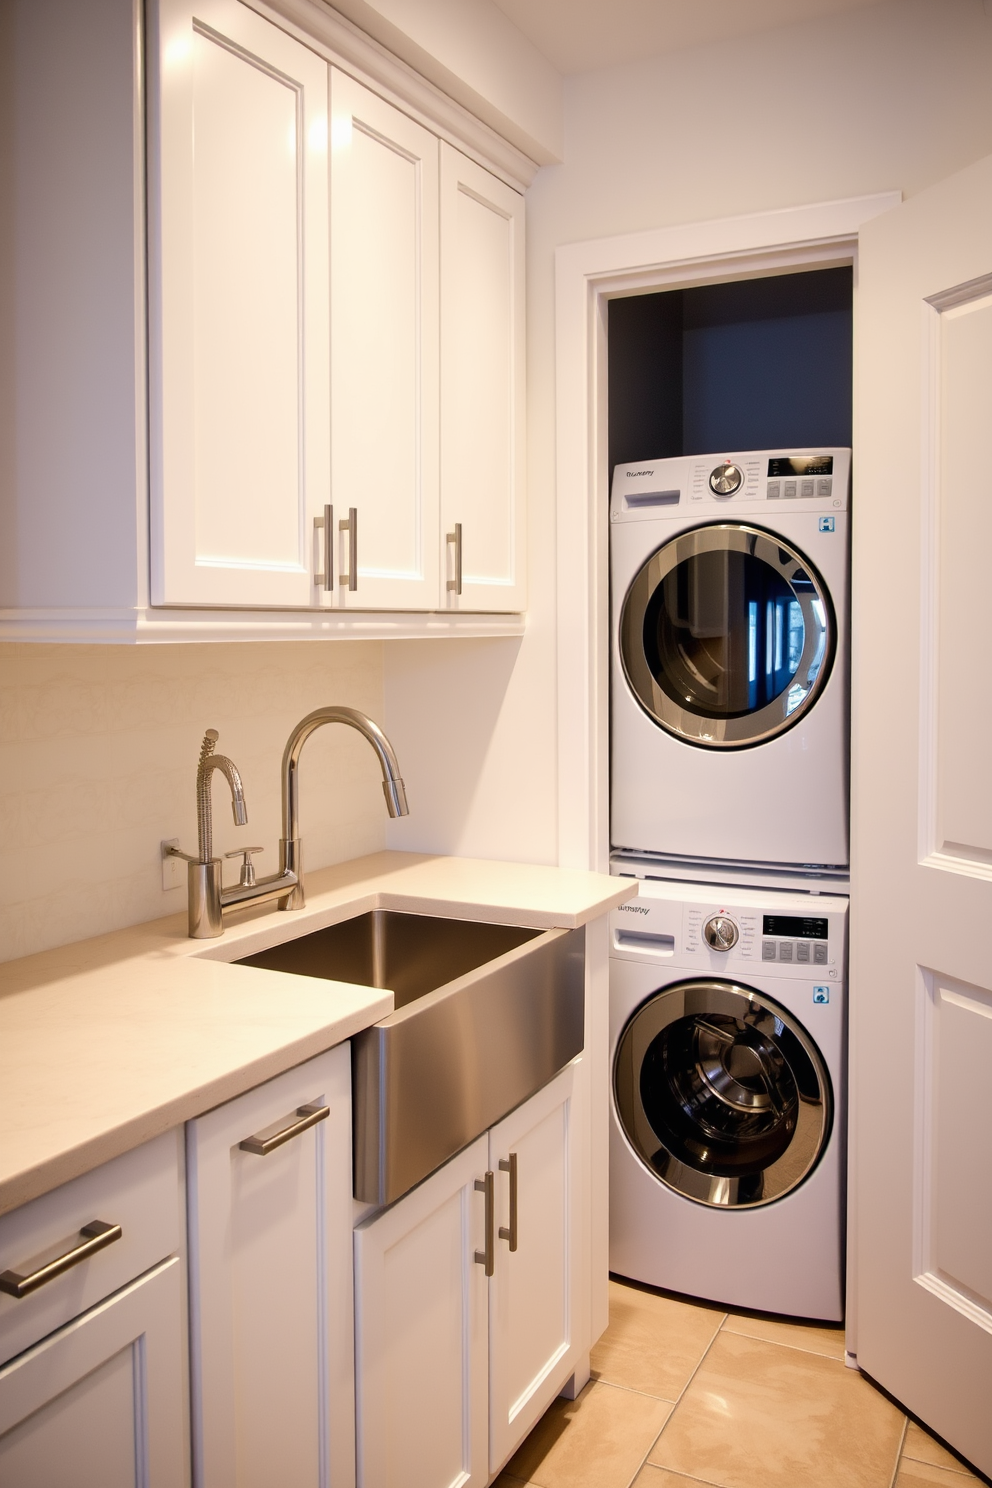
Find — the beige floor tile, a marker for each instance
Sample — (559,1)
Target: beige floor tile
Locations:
(758,1415)
(926,1475)
(815,1338)
(921,1447)
(596,1441)
(653,1342)
(660,1477)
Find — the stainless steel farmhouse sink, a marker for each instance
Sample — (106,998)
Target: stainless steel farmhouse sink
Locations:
(485,1015)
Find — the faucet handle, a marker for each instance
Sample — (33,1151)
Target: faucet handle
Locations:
(247,867)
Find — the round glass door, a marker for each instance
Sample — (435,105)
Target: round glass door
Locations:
(722,1095)
(726,636)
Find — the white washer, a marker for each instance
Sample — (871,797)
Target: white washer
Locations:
(729,708)
(727,1038)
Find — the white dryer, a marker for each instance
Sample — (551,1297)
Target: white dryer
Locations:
(728,1036)
(729,697)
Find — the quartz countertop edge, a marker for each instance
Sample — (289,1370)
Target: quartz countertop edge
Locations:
(108,1042)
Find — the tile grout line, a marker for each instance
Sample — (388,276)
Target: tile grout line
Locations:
(716,1333)
(902,1442)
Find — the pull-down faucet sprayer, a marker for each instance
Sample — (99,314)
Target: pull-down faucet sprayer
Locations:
(207,897)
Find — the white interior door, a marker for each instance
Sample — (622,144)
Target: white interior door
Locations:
(921,984)
(482,388)
(238,307)
(421,1332)
(384,352)
(532,1333)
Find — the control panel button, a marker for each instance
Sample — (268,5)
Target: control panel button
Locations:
(788,488)
(768,950)
(824,487)
(819,954)
(785,950)
(774,490)
(721,933)
(807,487)
(802,951)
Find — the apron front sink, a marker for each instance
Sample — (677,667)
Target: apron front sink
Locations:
(484,1016)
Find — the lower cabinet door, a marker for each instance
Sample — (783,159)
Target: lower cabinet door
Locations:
(421,1334)
(101,1403)
(271,1320)
(532,1303)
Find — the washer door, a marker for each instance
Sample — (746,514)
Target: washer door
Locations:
(722,1095)
(726,636)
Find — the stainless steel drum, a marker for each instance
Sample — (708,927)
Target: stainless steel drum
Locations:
(721,1093)
(726,635)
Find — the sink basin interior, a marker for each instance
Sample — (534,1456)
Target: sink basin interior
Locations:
(410,954)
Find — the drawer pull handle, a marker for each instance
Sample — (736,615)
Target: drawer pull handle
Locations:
(510,1166)
(325,525)
(98,1236)
(487,1257)
(351,527)
(309,1116)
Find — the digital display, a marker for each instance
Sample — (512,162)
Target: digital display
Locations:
(802,465)
(794,927)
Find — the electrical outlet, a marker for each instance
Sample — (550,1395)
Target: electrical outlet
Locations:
(173,869)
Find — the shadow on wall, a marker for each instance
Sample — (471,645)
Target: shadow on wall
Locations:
(455,724)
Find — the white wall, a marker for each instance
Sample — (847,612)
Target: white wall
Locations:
(98,752)
(892,97)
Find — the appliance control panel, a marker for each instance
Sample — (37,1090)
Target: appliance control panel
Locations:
(795,935)
(752,482)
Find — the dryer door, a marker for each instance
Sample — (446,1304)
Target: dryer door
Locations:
(722,1094)
(726,635)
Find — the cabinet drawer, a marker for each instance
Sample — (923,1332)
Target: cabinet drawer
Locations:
(141,1191)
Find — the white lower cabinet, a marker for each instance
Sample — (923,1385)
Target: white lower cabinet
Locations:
(454,1366)
(100,1403)
(271,1334)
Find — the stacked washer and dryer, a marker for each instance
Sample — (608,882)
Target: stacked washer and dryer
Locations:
(729,802)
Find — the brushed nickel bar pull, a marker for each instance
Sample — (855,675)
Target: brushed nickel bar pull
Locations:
(98,1235)
(510,1166)
(325,524)
(487,1257)
(455,585)
(351,527)
(310,1115)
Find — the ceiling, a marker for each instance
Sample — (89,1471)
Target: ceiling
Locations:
(579,35)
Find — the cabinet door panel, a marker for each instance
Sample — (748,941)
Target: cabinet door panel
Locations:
(384,348)
(239,323)
(421,1335)
(532,1327)
(105,1394)
(270,1268)
(482,385)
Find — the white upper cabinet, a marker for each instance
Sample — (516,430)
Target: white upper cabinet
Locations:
(384,352)
(238,326)
(482,388)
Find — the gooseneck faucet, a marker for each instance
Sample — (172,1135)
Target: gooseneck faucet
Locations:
(290,848)
(207,896)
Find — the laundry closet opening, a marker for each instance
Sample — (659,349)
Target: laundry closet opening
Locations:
(754,364)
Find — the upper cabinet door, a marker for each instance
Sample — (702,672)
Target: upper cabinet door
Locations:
(384,353)
(238,307)
(482,389)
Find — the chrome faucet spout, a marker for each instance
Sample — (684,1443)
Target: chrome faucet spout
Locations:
(392,784)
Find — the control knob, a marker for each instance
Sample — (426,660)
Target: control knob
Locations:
(721,933)
(726,479)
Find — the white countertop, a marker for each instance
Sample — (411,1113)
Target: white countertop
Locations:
(108,1042)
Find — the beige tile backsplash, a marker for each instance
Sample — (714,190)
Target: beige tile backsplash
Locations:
(98,750)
